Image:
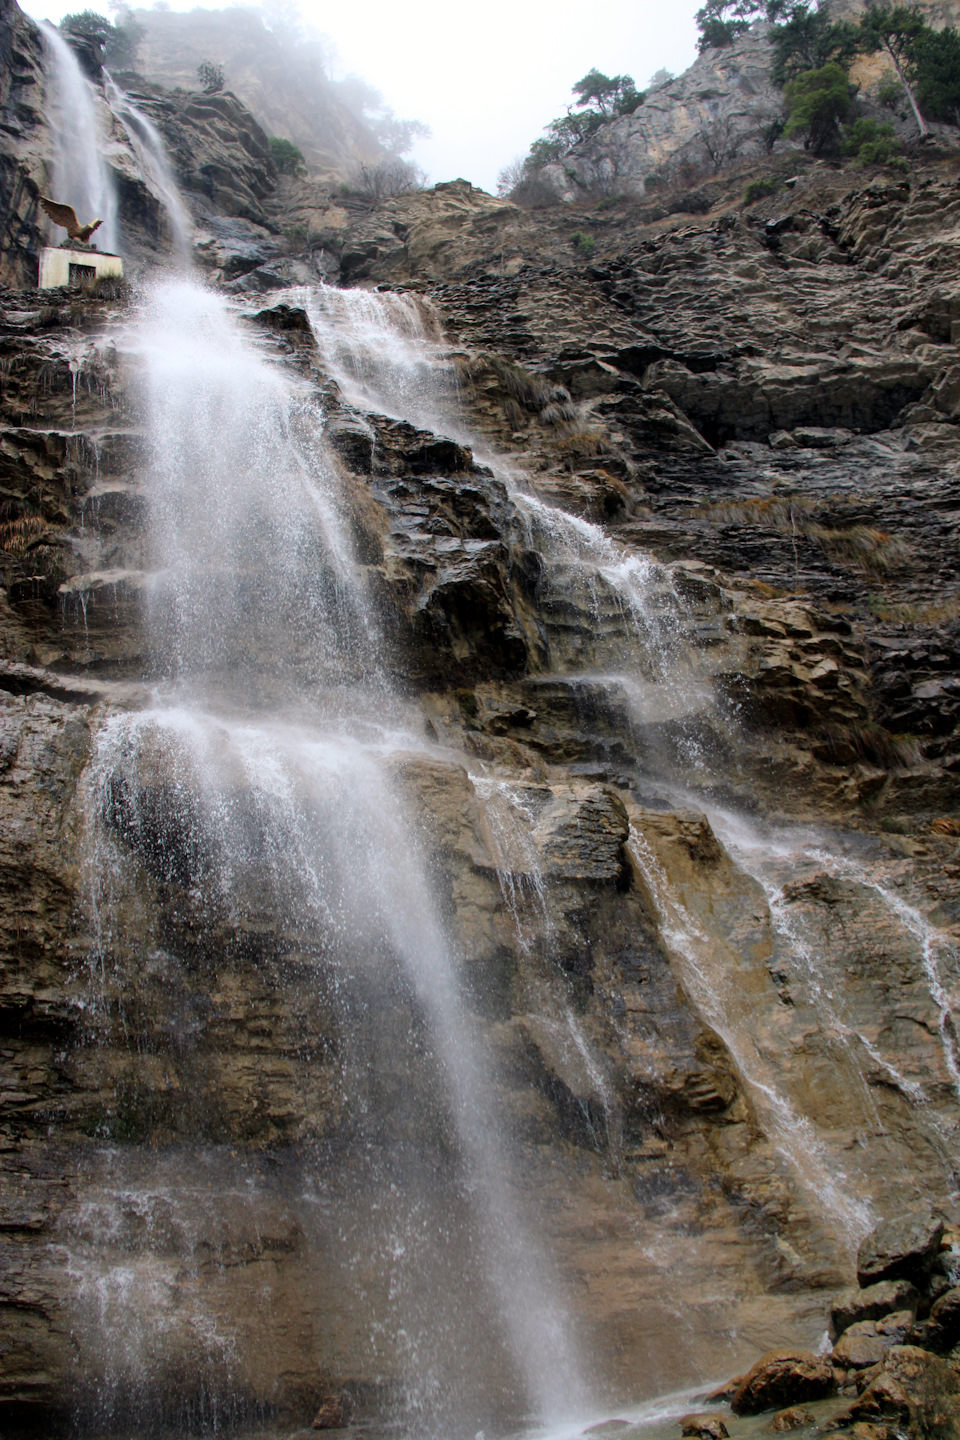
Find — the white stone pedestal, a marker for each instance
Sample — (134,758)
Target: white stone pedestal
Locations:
(70,268)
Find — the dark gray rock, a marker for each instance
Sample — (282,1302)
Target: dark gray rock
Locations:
(904,1248)
(941,1330)
(866,1342)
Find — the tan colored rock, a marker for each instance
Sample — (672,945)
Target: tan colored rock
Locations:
(901,1248)
(705,1426)
(791,1419)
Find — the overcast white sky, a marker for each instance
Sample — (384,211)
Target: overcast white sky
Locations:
(486,77)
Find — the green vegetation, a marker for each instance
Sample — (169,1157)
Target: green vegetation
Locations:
(890,91)
(599,98)
(759,190)
(606,96)
(926,62)
(720,22)
(818,101)
(871,141)
(286,156)
(583,244)
(210,77)
(652,182)
(117,43)
(896,31)
(935,57)
(807,40)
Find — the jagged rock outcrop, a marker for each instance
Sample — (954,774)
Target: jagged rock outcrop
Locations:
(717,110)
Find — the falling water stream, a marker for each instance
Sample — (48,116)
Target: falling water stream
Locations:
(154,164)
(80,174)
(267,775)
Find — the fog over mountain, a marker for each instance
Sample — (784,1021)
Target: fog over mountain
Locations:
(485,87)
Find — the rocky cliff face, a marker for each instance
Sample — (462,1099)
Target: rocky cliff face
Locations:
(663,548)
(280,78)
(722,111)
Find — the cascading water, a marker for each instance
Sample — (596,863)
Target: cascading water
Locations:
(154,163)
(387,354)
(786,858)
(262,796)
(80,174)
(642,640)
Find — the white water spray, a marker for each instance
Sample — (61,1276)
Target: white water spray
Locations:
(267,785)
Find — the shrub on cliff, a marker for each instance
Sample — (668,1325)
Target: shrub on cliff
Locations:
(117,43)
(897,31)
(720,22)
(807,39)
(935,56)
(599,98)
(818,102)
(871,141)
(287,157)
(210,77)
(380,179)
(759,190)
(606,96)
(88,25)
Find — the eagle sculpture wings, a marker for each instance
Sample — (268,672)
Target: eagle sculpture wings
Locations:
(66,216)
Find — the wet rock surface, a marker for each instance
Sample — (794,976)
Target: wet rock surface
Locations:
(782,1377)
(720,1062)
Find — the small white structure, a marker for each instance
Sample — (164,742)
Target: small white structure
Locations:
(71,268)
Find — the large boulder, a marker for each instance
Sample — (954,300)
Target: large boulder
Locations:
(904,1248)
(781,1378)
(852,1306)
(866,1342)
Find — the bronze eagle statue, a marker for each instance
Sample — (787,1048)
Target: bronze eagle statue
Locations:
(66,216)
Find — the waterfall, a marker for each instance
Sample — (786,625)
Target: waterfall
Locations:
(263,791)
(80,175)
(642,636)
(154,163)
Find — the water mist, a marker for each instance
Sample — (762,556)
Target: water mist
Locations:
(264,794)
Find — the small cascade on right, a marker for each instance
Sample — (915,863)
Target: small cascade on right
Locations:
(641,652)
(154,162)
(80,175)
(820,886)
